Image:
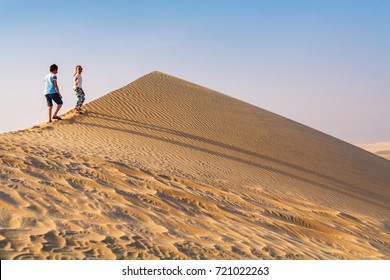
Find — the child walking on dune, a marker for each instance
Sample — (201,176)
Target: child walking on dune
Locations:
(52,92)
(78,82)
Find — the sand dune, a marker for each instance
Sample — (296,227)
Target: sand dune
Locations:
(166,169)
(381,149)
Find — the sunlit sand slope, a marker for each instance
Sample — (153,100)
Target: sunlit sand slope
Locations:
(166,169)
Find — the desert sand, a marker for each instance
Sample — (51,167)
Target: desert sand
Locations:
(166,169)
(381,149)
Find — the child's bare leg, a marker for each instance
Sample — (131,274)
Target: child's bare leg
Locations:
(57,109)
(50,109)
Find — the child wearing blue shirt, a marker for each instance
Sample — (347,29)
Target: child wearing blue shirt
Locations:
(52,92)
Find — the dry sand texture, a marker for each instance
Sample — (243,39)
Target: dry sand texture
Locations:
(381,149)
(166,169)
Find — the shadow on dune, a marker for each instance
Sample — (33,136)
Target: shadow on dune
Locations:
(339,185)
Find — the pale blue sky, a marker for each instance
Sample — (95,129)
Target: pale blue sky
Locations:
(325,64)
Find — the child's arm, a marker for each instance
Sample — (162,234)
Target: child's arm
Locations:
(57,89)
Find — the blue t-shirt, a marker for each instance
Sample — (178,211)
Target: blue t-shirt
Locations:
(49,83)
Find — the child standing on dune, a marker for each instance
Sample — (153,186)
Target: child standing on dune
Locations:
(78,82)
(52,92)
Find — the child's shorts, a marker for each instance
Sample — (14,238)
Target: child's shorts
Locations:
(50,97)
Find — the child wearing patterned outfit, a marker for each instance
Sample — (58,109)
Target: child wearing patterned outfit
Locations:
(78,82)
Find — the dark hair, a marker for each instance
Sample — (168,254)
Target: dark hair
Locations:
(53,67)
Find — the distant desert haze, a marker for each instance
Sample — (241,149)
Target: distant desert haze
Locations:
(381,149)
(166,169)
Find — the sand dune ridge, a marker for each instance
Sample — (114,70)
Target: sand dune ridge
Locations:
(167,169)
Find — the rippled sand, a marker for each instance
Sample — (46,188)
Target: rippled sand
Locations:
(166,169)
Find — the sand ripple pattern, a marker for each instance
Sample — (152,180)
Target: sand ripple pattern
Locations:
(87,208)
(166,169)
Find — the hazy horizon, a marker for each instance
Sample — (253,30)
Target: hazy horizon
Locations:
(321,63)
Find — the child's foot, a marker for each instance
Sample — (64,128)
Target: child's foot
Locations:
(57,118)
